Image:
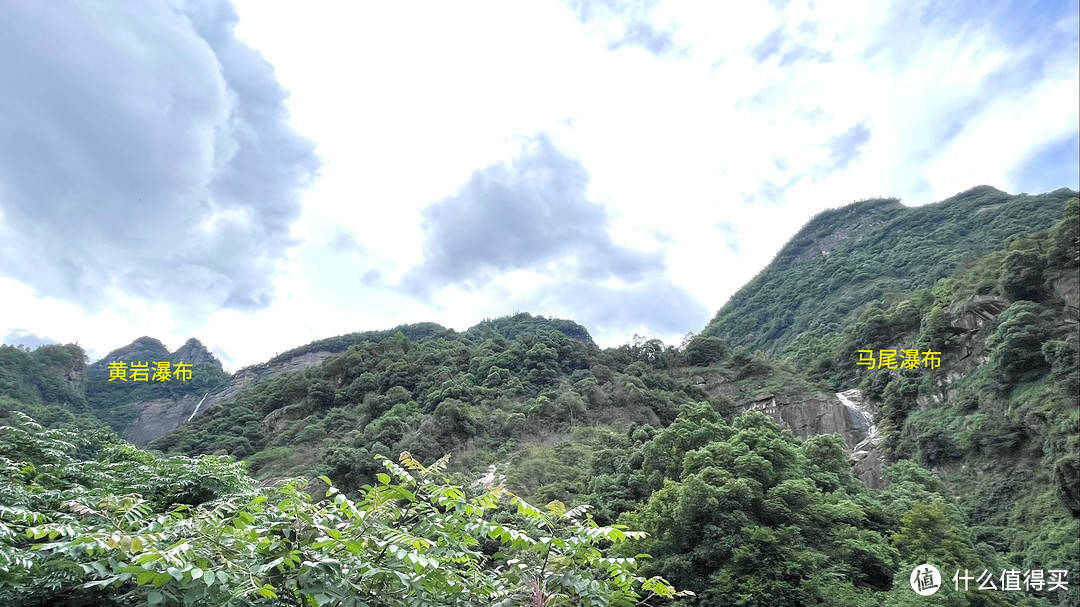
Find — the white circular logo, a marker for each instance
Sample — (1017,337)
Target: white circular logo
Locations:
(925,579)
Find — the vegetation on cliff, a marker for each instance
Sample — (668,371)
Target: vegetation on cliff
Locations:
(845,258)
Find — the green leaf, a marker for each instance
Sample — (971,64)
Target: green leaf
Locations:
(148,557)
(101,582)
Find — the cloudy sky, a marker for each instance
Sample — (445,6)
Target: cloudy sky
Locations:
(262,174)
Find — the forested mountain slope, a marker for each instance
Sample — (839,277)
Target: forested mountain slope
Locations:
(845,258)
(747,470)
(145,403)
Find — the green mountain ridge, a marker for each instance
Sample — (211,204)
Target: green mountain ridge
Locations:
(844,258)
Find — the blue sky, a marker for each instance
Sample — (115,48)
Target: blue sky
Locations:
(266,173)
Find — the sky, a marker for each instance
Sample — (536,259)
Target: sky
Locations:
(261,174)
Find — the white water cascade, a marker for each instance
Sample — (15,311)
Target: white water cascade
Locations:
(489,478)
(853,401)
(197,406)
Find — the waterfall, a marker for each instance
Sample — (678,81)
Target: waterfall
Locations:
(197,406)
(490,478)
(853,401)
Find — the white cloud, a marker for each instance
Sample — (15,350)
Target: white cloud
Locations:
(740,123)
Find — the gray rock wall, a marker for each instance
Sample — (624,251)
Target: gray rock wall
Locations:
(826,414)
(156,417)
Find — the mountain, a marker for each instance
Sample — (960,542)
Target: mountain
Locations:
(845,258)
(48,383)
(764,461)
(143,406)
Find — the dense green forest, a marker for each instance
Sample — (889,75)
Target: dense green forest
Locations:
(665,473)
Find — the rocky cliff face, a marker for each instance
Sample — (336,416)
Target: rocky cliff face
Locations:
(73,370)
(843,414)
(156,406)
(194,353)
(851,224)
(972,321)
(1066,287)
(807,413)
(158,416)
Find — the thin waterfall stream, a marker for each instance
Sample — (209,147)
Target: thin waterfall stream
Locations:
(853,401)
(197,406)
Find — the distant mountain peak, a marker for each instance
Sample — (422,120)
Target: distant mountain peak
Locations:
(150,349)
(195,353)
(143,349)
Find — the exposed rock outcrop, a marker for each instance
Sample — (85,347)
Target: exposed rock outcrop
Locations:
(843,414)
(860,219)
(71,368)
(162,405)
(76,377)
(973,320)
(156,417)
(249,376)
(193,352)
(867,460)
(1067,289)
